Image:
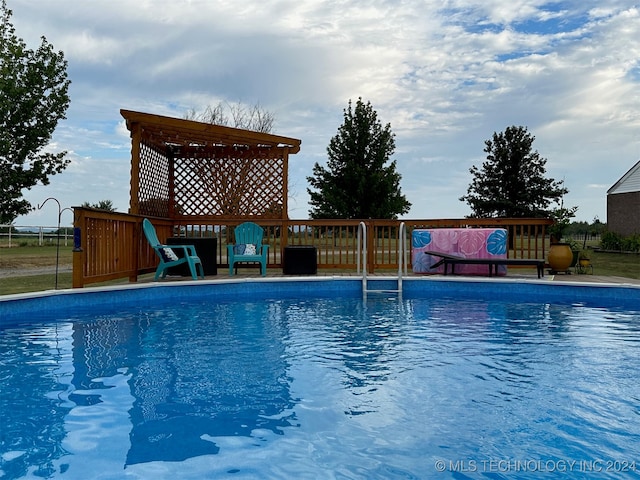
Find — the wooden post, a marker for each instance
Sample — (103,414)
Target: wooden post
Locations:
(285,183)
(136,245)
(172,182)
(79,254)
(371,253)
(136,138)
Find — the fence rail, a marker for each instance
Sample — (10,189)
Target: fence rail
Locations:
(16,234)
(112,244)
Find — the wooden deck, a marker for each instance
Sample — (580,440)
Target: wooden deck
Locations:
(520,274)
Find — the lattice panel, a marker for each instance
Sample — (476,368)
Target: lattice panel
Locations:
(192,169)
(153,194)
(245,184)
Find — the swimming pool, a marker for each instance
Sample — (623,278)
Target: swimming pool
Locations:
(281,379)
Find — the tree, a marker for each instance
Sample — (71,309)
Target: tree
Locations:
(33,98)
(106,205)
(512,180)
(230,192)
(358,183)
(253,118)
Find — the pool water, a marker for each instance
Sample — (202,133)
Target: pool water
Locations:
(308,387)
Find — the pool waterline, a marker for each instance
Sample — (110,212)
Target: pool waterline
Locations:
(23,303)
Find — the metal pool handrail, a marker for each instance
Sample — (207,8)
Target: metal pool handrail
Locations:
(362,257)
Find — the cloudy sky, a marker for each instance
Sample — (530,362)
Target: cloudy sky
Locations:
(445,74)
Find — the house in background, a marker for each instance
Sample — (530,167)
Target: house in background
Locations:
(623,203)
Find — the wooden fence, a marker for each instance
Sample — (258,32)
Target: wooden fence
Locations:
(112,246)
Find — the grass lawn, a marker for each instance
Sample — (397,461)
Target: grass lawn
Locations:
(34,283)
(616,264)
(34,257)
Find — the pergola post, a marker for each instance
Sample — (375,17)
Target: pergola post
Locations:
(172,183)
(134,202)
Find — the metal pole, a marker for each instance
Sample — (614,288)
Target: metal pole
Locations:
(60,210)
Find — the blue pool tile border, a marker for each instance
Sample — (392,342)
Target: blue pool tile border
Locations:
(22,307)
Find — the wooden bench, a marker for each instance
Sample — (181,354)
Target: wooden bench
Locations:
(453,260)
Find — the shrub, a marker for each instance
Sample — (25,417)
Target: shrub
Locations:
(613,241)
(610,241)
(631,243)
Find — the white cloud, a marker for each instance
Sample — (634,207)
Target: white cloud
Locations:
(446,75)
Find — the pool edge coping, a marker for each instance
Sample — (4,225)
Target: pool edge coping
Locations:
(323,278)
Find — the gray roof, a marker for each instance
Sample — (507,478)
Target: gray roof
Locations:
(629,182)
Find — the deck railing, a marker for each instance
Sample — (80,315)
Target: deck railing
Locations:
(112,245)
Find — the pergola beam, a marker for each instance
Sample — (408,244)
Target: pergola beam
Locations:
(168,130)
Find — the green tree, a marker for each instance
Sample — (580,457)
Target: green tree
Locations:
(511,182)
(106,205)
(359,182)
(33,98)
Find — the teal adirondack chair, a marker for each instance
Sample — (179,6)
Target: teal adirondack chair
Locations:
(248,247)
(168,257)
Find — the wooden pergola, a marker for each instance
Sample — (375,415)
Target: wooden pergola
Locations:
(186,170)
